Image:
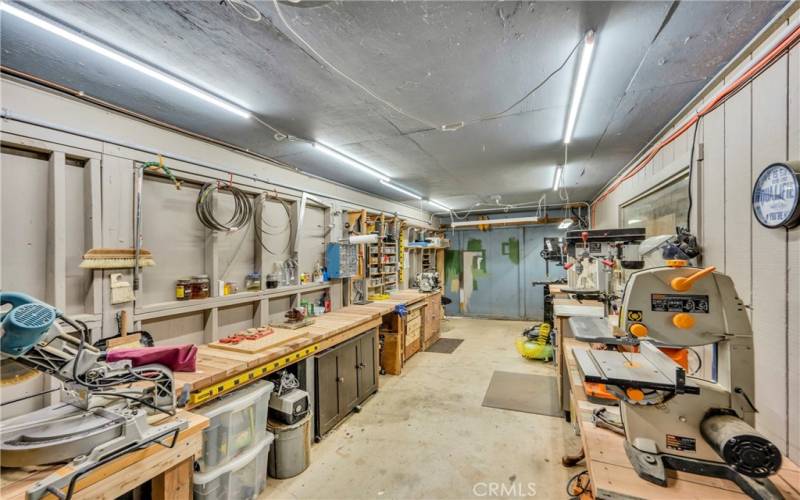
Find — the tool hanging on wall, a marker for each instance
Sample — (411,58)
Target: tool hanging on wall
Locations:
(138,178)
(242,208)
(115,258)
(277,230)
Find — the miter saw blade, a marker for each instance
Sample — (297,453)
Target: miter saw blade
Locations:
(56,434)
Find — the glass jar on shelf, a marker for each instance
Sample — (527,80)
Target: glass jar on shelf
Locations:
(200,286)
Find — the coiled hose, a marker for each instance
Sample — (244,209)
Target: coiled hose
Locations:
(242,208)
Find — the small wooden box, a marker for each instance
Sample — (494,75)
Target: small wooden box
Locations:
(391,354)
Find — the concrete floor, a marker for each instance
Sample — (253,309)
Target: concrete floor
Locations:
(426,435)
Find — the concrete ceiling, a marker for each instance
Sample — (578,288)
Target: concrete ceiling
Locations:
(440,62)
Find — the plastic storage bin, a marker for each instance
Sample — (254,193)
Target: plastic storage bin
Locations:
(242,478)
(235,422)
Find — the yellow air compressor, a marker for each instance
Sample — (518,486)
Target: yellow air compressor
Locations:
(533,345)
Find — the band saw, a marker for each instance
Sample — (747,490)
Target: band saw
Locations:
(106,409)
(673,420)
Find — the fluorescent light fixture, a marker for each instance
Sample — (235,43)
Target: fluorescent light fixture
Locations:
(492,222)
(398,188)
(346,159)
(126,61)
(439,205)
(557,180)
(634,221)
(565,223)
(580,84)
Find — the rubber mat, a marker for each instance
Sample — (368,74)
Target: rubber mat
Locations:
(445,345)
(523,392)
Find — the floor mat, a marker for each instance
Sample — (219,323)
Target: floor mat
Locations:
(523,392)
(445,346)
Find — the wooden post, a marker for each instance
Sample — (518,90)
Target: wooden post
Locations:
(175,483)
(56,232)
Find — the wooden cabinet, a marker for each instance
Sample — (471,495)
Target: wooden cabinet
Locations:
(414,327)
(432,320)
(345,376)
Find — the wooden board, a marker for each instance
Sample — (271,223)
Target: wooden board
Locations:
(294,325)
(275,339)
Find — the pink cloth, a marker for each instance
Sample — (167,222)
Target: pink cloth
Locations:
(178,358)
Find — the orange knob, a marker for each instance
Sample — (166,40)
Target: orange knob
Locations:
(683,320)
(682,284)
(634,394)
(639,330)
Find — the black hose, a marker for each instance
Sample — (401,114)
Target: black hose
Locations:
(242,208)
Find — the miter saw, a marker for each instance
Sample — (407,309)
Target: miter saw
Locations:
(106,407)
(671,420)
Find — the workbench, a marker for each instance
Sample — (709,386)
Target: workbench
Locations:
(613,476)
(397,347)
(170,470)
(220,371)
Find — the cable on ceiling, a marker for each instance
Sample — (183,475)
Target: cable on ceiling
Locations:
(244,9)
(347,77)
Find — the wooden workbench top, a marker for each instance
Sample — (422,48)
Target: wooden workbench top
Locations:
(121,475)
(215,364)
(613,475)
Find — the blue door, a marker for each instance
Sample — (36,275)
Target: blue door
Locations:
(489,273)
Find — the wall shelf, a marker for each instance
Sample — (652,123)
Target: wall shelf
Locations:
(177,307)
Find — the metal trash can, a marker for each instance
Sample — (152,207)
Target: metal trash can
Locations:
(290,453)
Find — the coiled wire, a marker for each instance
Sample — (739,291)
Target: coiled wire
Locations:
(242,208)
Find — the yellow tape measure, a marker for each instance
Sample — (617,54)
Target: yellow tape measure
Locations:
(201,396)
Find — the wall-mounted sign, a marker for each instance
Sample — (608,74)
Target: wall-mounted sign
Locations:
(776,195)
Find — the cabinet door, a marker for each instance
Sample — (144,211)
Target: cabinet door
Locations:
(367,367)
(327,392)
(347,366)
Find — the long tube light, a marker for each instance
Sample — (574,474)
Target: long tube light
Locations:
(580,84)
(492,222)
(126,61)
(439,205)
(349,161)
(398,188)
(557,180)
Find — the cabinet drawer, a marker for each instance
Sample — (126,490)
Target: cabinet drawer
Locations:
(416,313)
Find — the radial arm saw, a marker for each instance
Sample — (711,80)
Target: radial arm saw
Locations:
(107,407)
(673,420)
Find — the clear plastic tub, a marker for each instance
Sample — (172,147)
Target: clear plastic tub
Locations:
(242,478)
(236,422)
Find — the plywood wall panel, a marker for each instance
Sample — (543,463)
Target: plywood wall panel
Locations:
(24,223)
(793,271)
(770,122)
(713,189)
(172,232)
(738,190)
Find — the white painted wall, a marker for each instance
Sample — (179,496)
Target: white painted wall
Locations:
(757,126)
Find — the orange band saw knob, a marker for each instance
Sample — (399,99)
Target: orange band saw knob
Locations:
(682,284)
(639,330)
(683,321)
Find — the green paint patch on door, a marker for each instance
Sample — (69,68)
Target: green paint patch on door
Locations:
(452,263)
(511,249)
(478,266)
